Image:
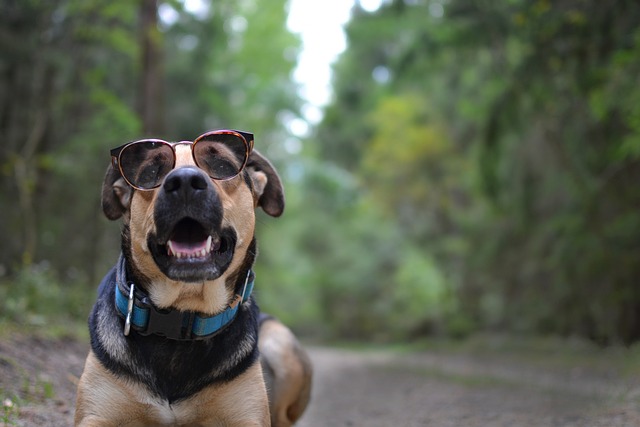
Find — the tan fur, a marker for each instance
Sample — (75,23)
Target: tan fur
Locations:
(106,400)
(291,369)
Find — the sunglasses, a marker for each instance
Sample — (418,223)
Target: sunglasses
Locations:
(144,164)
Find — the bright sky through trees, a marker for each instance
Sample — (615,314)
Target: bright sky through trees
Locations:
(320,25)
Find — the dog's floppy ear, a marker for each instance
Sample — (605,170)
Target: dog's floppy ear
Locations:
(267,186)
(116,194)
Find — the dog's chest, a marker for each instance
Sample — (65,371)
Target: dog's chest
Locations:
(236,403)
(162,413)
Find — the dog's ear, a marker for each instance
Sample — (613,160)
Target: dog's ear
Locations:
(116,194)
(267,186)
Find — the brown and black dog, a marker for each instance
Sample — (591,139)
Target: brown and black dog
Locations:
(176,337)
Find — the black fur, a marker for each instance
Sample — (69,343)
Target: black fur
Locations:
(173,370)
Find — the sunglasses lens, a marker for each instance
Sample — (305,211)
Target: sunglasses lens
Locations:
(222,155)
(145,163)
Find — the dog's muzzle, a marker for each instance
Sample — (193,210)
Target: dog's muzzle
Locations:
(189,243)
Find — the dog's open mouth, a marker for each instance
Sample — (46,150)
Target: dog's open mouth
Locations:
(191,252)
(190,240)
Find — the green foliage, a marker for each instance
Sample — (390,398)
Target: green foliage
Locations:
(343,270)
(235,78)
(421,295)
(503,143)
(10,411)
(37,299)
(477,168)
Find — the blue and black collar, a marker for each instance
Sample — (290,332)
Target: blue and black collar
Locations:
(142,316)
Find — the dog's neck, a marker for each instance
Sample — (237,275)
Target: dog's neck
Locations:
(143,317)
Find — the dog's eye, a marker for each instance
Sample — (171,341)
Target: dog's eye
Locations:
(219,160)
(146,164)
(154,168)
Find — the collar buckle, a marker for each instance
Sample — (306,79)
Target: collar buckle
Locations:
(171,324)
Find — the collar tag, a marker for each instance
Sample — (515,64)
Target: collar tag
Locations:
(236,300)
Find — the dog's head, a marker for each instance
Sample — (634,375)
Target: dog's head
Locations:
(188,239)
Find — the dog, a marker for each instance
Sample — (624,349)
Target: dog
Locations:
(176,336)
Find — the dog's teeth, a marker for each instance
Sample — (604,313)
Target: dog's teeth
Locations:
(176,253)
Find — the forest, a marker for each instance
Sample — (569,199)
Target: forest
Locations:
(477,169)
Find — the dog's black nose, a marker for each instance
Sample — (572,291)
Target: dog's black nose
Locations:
(185,180)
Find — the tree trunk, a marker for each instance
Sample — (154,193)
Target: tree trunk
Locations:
(150,101)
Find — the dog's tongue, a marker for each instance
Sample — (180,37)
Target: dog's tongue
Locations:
(190,249)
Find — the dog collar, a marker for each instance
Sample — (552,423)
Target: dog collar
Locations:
(142,316)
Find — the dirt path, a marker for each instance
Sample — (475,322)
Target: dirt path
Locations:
(39,377)
(379,388)
(440,390)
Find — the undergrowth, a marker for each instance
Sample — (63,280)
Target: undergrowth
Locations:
(36,300)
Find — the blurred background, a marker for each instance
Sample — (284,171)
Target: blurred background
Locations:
(474,166)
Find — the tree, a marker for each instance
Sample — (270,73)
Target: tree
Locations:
(151,78)
(510,131)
